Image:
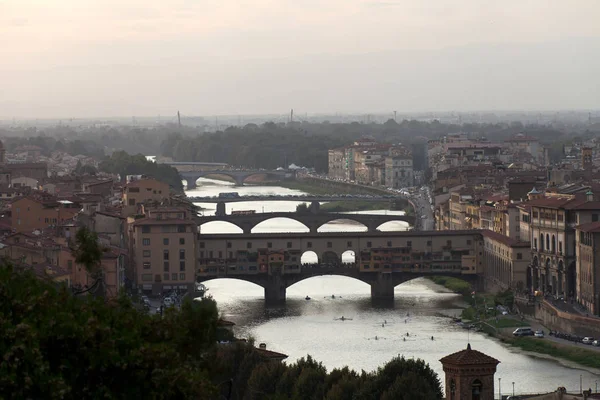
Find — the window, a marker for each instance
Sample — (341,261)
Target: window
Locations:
(146,277)
(289,245)
(145,228)
(166,276)
(174,276)
(220,254)
(166,266)
(146,264)
(133,190)
(181,265)
(248,245)
(46,220)
(389,243)
(429,243)
(329,245)
(228,245)
(560,247)
(70,264)
(146,242)
(166,228)
(408,243)
(594,217)
(182,241)
(448,243)
(369,244)
(519,256)
(309,245)
(182,276)
(201,245)
(182,254)
(166,241)
(146,253)
(269,245)
(166,255)
(180,228)
(349,244)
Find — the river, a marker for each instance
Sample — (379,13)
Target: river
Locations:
(373,335)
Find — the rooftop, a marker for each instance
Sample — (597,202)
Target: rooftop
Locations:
(469,357)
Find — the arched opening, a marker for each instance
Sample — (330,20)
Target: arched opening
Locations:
(256,178)
(541,242)
(220,227)
(325,285)
(571,275)
(226,289)
(476,388)
(553,244)
(349,257)
(330,259)
(547,242)
(309,258)
(535,271)
(529,279)
(280,225)
(342,225)
(220,177)
(392,226)
(546,281)
(560,289)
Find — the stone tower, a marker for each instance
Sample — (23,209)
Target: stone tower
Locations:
(469,375)
(586,158)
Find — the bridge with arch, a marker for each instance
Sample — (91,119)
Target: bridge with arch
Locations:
(382,259)
(312,221)
(238,176)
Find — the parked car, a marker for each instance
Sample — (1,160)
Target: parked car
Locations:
(539,334)
(587,340)
(596,343)
(523,332)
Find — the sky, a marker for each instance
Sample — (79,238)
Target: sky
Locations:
(94,58)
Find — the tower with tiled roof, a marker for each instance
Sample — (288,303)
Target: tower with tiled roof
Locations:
(469,375)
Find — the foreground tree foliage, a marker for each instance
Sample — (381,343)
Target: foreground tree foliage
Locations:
(54,345)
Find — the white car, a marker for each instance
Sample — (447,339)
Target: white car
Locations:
(539,334)
(587,340)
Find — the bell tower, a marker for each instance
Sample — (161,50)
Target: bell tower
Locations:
(469,375)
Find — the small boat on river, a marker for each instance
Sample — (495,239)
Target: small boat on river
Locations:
(307,298)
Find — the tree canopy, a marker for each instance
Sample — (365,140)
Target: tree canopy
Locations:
(125,164)
(59,346)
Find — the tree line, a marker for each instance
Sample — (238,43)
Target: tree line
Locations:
(56,345)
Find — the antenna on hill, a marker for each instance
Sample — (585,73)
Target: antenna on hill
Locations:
(178,119)
(292,115)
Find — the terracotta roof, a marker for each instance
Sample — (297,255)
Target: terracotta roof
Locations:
(469,357)
(504,239)
(271,355)
(589,227)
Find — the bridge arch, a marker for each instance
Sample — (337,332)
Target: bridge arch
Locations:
(326,227)
(330,257)
(309,257)
(348,257)
(209,174)
(354,284)
(267,226)
(394,225)
(220,227)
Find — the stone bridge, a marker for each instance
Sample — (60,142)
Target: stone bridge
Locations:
(312,221)
(238,175)
(275,281)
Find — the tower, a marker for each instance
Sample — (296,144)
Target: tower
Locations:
(469,375)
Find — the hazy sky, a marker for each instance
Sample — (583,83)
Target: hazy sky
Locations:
(147,57)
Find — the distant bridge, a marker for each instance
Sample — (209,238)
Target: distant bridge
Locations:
(238,175)
(191,171)
(305,198)
(382,259)
(312,221)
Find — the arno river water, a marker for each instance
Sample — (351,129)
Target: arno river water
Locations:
(304,327)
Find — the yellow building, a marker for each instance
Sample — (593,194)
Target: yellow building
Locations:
(141,191)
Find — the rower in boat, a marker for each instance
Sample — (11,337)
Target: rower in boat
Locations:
(333,296)
(307,298)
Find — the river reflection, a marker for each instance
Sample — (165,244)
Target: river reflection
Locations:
(420,309)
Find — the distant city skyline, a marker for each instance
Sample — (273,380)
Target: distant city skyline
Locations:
(69,58)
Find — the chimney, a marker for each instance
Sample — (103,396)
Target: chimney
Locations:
(262,346)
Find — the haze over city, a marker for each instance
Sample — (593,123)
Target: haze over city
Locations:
(69,58)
